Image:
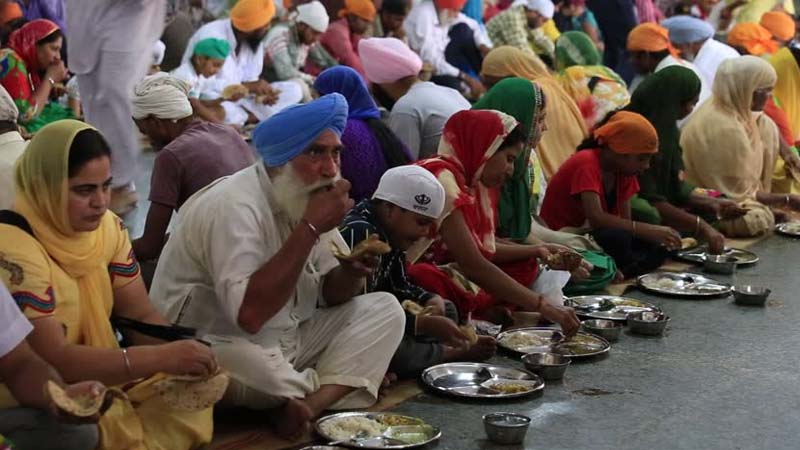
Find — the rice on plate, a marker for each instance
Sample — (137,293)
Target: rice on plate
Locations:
(350,427)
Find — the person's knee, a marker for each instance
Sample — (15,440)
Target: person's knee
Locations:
(82,437)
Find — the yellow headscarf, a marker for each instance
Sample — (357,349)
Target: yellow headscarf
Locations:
(787,89)
(564,121)
(42,190)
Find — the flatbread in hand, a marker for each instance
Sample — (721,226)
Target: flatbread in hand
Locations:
(235,90)
(85,405)
(373,244)
(470,333)
(415,309)
(191,393)
(688,243)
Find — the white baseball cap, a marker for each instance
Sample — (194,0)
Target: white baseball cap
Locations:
(412,188)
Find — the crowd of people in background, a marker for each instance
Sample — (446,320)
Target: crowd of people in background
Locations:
(505,153)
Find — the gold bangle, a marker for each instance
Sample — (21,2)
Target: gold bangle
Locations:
(127,361)
(697,226)
(787,200)
(633,228)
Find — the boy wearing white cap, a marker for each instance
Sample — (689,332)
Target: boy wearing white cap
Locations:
(403,209)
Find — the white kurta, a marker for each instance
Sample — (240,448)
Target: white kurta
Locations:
(110,46)
(242,66)
(429,39)
(711,55)
(228,231)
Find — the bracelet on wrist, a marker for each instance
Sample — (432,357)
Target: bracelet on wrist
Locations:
(127,362)
(312,228)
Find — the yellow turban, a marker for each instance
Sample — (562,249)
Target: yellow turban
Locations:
(361,8)
(249,15)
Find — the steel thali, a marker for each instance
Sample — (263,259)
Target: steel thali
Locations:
(698,255)
(551,340)
(682,284)
(609,307)
(479,380)
(791,229)
(385,430)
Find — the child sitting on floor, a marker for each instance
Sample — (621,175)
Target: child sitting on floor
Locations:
(403,209)
(592,190)
(205,92)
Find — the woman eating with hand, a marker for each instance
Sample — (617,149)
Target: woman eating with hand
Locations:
(70,267)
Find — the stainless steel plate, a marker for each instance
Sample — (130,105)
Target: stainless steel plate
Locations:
(474,380)
(427,433)
(551,340)
(682,284)
(698,255)
(788,229)
(608,307)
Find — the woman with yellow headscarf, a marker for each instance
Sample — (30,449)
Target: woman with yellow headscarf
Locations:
(564,120)
(68,263)
(729,145)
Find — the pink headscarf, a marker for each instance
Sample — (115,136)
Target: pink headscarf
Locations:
(387,60)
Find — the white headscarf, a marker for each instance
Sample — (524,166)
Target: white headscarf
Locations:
(544,7)
(314,15)
(159,50)
(8,109)
(162,96)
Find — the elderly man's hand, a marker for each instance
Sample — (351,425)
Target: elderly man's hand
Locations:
(327,206)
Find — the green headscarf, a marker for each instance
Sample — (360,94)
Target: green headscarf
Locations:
(575,48)
(659,99)
(523,100)
(213,48)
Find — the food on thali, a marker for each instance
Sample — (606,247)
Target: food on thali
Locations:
(84,405)
(607,304)
(581,344)
(393,420)
(373,244)
(688,243)
(351,427)
(509,388)
(190,393)
(523,340)
(666,283)
(790,227)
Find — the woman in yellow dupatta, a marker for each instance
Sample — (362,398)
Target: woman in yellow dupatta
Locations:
(70,268)
(564,121)
(787,89)
(730,145)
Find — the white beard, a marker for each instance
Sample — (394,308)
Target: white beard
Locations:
(292,195)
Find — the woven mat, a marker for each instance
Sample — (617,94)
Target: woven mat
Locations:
(232,437)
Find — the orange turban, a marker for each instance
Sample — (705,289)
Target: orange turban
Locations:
(361,8)
(649,37)
(628,133)
(249,15)
(752,37)
(10,11)
(780,24)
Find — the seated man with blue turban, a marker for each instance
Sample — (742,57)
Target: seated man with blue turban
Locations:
(251,266)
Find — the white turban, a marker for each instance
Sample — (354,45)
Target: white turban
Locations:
(8,109)
(543,7)
(159,49)
(314,15)
(162,96)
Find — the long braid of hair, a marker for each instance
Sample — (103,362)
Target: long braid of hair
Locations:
(394,151)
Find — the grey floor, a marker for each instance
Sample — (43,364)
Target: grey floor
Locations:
(723,376)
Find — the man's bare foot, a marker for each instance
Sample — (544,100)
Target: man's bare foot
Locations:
(292,420)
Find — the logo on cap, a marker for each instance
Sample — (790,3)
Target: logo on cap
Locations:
(422,199)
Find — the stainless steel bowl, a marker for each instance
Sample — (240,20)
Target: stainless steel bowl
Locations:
(722,264)
(750,295)
(550,366)
(648,323)
(506,428)
(606,329)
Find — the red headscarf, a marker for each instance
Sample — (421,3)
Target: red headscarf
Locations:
(23,42)
(469,139)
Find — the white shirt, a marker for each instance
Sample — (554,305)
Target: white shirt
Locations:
(429,39)
(200,86)
(711,55)
(225,233)
(241,67)
(11,147)
(419,116)
(705,90)
(14,327)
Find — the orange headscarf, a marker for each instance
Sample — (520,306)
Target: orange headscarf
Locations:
(752,37)
(780,24)
(10,11)
(364,9)
(250,15)
(628,133)
(649,37)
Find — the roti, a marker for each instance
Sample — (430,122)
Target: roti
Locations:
(373,244)
(415,309)
(470,333)
(234,90)
(189,393)
(688,243)
(85,405)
